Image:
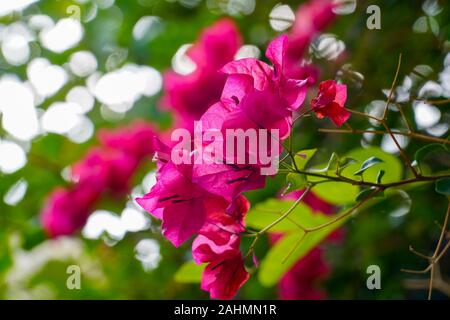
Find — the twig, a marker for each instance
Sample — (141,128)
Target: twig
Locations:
(396,132)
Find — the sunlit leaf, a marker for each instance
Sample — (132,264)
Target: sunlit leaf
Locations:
(285,253)
(391,165)
(190,272)
(296,181)
(380,175)
(266,212)
(345,162)
(303,157)
(338,193)
(368,164)
(331,165)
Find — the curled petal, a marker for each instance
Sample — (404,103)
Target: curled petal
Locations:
(223,278)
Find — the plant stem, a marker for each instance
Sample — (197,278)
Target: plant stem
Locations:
(396,132)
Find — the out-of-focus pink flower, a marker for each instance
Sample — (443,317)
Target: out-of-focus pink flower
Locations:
(135,139)
(330,101)
(190,95)
(66,211)
(112,167)
(302,281)
(314,202)
(310,19)
(108,167)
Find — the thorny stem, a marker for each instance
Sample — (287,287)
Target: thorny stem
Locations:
(331,222)
(347,213)
(405,119)
(438,283)
(437,255)
(391,92)
(296,203)
(437,102)
(281,218)
(407,161)
(396,132)
(367,183)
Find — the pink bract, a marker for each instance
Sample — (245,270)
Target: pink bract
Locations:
(250,74)
(330,101)
(66,211)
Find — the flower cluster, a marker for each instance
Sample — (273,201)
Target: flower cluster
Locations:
(206,199)
(107,168)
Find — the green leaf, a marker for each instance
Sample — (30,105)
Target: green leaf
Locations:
(272,267)
(345,162)
(443,186)
(296,181)
(380,175)
(337,193)
(303,157)
(391,164)
(190,272)
(363,194)
(367,164)
(423,152)
(332,164)
(266,212)
(401,202)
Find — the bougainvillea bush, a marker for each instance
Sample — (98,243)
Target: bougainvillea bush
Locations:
(224,149)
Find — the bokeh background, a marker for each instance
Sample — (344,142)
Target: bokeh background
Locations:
(70,68)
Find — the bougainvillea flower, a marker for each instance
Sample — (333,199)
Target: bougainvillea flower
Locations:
(105,168)
(330,101)
(228,180)
(66,211)
(219,177)
(216,45)
(223,278)
(219,237)
(112,166)
(260,110)
(257,110)
(190,95)
(136,139)
(218,245)
(214,245)
(182,205)
(250,74)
